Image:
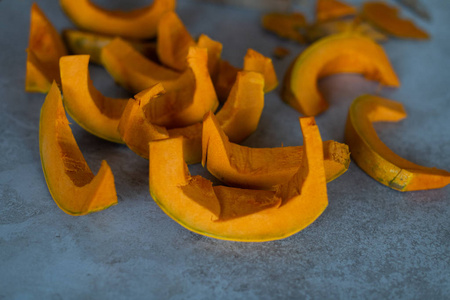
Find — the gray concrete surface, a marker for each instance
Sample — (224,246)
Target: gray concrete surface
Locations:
(371,242)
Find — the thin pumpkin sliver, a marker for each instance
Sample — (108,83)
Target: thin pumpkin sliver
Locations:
(387,18)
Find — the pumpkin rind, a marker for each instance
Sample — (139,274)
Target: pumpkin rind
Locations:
(216,212)
(375,158)
(261,168)
(339,53)
(94,112)
(70,181)
(139,23)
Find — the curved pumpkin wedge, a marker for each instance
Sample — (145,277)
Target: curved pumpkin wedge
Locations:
(174,41)
(70,181)
(332,9)
(187,104)
(214,53)
(135,72)
(82,42)
(239,214)
(133,127)
(375,158)
(239,117)
(139,23)
(253,61)
(94,112)
(45,47)
(261,168)
(339,53)
(387,18)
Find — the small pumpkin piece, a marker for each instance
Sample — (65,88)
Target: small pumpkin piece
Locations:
(138,24)
(135,72)
(323,29)
(285,25)
(339,53)
(82,42)
(333,9)
(253,61)
(70,181)
(375,158)
(261,168)
(94,112)
(239,214)
(174,41)
(133,127)
(45,47)
(387,18)
(187,104)
(281,52)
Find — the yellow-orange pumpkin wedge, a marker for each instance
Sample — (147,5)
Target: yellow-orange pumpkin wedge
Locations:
(174,41)
(239,214)
(134,128)
(45,47)
(375,158)
(70,181)
(139,23)
(83,42)
(238,117)
(135,72)
(187,104)
(261,168)
(386,17)
(94,112)
(253,61)
(332,9)
(339,53)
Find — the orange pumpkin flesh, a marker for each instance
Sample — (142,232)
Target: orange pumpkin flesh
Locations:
(94,112)
(261,168)
(71,183)
(174,41)
(135,72)
(332,9)
(139,23)
(82,42)
(375,158)
(340,53)
(253,61)
(45,47)
(238,214)
(387,18)
(187,104)
(286,25)
(239,117)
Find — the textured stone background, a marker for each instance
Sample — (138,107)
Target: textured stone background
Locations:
(371,242)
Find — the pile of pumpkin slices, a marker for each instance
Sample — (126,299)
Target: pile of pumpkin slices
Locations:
(275,192)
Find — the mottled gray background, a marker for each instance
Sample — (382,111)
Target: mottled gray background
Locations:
(371,242)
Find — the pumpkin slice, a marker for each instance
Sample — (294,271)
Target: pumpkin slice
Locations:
(261,168)
(82,42)
(139,23)
(238,117)
(375,158)
(239,214)
(187,104)
(45,47)
(322,29)
(253,61)
(387,18)
(174,41)
(332,9)
(94,112)
(70,181)
(339,53)
(135,72)
(286,25)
